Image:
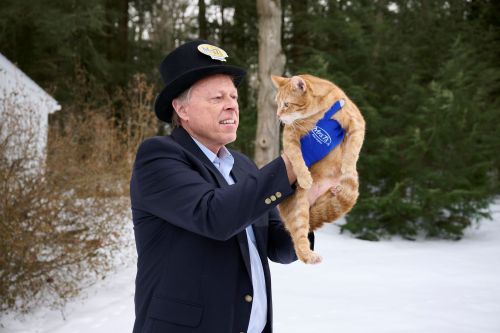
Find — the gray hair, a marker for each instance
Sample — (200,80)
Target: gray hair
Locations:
(183,98)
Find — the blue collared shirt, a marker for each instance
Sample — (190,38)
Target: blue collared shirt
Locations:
(224,162)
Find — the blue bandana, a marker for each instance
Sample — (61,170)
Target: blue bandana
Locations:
(326,135)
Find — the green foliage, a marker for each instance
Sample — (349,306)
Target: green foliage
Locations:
(425,75)
(55,37)
(425,78)
(52,36)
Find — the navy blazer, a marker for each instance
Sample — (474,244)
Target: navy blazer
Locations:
(193,270)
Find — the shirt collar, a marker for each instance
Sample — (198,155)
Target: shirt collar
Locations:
(224,158)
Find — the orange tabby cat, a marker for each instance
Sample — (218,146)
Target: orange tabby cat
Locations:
(302,101)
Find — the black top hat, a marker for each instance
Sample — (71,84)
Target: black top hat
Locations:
(187,64)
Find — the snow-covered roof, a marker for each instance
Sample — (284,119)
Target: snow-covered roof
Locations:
(13,80)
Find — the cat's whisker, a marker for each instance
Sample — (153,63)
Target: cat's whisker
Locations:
(300,126)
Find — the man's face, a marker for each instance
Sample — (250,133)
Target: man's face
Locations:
(211,114)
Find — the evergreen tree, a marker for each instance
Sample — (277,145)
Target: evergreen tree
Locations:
(424,77)
(52,37)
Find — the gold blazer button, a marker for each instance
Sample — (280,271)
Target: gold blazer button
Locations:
(267,201)
(248,298)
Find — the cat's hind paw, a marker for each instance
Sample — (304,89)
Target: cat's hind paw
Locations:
(311,258)
(336,189)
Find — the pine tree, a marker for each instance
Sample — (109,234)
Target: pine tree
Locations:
(425,80)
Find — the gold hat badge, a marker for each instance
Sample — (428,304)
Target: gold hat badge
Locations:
(213,52)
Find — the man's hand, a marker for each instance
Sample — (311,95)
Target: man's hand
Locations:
(318,189)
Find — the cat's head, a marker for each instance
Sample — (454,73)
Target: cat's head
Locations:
(301,96)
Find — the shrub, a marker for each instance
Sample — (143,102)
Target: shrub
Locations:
(62,220)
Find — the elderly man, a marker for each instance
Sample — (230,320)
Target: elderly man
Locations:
(205,217)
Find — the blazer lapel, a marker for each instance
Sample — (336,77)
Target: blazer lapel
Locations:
(238,173)
(184,139)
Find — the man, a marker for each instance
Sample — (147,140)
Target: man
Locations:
(205,217)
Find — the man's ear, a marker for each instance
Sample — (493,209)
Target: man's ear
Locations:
(180,109)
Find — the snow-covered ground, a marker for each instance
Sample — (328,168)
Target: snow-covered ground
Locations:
(388,286)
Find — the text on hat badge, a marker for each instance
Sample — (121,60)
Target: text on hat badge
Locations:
(213,52)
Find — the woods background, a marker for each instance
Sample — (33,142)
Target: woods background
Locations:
(425,75)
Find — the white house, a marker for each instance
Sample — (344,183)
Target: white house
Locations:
(24,114)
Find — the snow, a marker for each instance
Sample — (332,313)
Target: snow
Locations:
(399,286)
(15,81)
(24,114)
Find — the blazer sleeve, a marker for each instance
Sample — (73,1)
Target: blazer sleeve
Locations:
(168,184)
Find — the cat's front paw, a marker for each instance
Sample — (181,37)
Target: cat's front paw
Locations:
(305,180)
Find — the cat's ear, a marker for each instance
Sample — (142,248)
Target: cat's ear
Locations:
(299,84)
(278,81)
(320,87)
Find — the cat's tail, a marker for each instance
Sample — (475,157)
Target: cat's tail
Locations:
(330,207)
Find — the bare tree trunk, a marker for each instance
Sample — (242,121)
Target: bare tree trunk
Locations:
(380,5)
(299,39)
(165,13)
(271,61)
(122,41)
(202,20)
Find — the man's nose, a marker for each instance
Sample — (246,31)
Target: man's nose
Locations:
(231,103)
